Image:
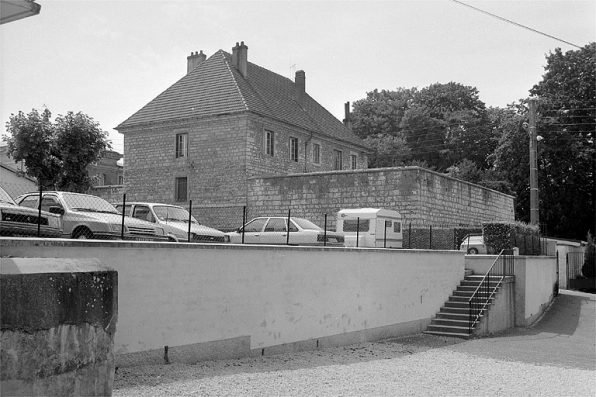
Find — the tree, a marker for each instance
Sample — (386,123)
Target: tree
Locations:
(56,154)
(589,266)
(388,151)
(442,124)
(566,122)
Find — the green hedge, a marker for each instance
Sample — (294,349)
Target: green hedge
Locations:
(506,235)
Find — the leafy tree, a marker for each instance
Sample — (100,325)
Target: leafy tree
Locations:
(388,151)
(381,112)
(567,121)
(442,124)
(56,153)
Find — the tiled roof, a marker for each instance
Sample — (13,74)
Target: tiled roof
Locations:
(216,87)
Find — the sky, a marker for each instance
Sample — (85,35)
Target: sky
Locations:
(108,59)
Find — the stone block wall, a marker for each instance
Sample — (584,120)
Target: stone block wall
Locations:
(58,319)
(422,197)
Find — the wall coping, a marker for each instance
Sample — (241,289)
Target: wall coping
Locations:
(376,170)
(40,242)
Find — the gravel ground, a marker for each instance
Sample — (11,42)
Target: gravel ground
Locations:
(416,366)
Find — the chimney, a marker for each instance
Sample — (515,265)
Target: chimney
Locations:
(240,58)
(347,121)
(194,60)
(300,84)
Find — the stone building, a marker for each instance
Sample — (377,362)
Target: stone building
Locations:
(225,121)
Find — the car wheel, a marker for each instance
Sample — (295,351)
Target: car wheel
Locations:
(472,251)
(82,234)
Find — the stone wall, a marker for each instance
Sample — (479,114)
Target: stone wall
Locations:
(422,197)
(58,319)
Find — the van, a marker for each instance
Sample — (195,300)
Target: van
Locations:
(370,227)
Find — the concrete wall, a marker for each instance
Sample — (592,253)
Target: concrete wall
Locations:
(535,280)
(215,301)
(58,318)
(501,315)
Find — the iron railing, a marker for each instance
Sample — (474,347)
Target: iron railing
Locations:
(502,266)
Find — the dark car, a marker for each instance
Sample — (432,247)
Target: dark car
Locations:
(20,221)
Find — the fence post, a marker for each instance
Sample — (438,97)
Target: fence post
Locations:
(243,222)
(189,218)
(430,237)
(357,231)
(325,234)
(123,214)
(384,236)
(410,236)
(288,231)
(39,211)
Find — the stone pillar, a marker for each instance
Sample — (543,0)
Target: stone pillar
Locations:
(58,319)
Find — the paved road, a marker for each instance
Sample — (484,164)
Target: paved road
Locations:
(555,357)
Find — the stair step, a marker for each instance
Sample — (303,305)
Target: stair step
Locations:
(454,316)
(466,299)
(452,322)
(449,334)
(449,328)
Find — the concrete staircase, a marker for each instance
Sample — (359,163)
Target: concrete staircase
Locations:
(453,318)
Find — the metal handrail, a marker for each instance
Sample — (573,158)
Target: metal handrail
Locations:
(476,304)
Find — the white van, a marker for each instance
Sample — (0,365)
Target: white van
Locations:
(375,227)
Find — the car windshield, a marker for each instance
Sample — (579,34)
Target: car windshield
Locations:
(87,203)
(167,213)
(5,197)
(306,224)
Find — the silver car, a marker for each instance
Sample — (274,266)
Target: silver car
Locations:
(20,221)
(175,222)
(274,230)
(473,244)
(90,217)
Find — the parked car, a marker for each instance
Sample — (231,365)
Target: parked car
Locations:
(90,217)
(174,220)
(17,221)
(274,230)
(473,244)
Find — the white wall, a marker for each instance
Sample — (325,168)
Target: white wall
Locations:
(175,295)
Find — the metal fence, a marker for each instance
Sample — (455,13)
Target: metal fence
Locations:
(72,215)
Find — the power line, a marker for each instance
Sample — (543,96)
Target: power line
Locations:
(514,23)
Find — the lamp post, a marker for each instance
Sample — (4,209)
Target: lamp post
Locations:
(534,213)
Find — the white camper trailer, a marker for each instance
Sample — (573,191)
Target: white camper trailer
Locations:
(370,227)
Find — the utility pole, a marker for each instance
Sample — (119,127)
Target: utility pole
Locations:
(534,213)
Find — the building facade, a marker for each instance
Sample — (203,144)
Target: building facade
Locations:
(226,121)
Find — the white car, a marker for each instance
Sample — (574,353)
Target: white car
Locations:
(175,222)
(473,244)
(85,216)
(274,230)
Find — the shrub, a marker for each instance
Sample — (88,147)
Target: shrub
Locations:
(589,267)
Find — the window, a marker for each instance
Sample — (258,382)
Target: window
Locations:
(180,189)
(143,212)
(255,225)
(181,145)
(294,149)
(316,153)
(120,180)
(29,201)
(353,161)
(48,201)
(338,163)
(269,142)
(353,225)
(276,225)
(397,227)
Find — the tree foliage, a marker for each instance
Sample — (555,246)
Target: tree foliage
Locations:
(56,153)
(442,124)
